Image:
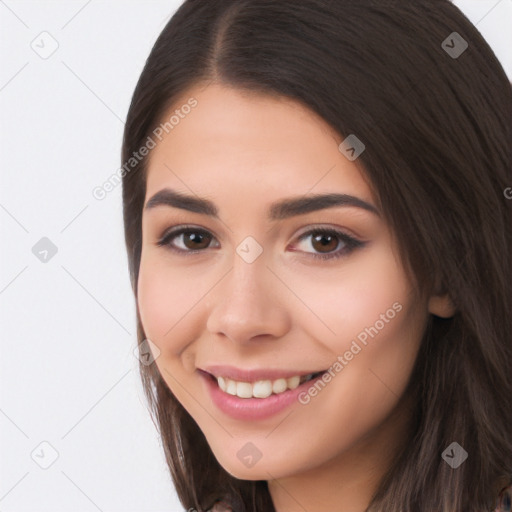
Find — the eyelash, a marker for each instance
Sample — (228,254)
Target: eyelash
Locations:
(350,242)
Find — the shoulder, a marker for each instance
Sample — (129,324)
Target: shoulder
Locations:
(220,506)
(504,501)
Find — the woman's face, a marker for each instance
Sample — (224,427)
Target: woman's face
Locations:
(254,291)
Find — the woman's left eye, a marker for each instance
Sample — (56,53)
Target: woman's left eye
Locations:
(328,243)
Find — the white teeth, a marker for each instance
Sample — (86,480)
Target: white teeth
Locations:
(279,386)
(260,388)
(243,390)
(293,382)
(230,387)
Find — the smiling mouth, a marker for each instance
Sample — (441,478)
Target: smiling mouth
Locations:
(261,388)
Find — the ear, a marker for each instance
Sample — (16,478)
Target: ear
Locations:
(441,305)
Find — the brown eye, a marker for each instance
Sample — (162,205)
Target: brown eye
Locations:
(324,242)
(328,243)
(186,240)
(193,240)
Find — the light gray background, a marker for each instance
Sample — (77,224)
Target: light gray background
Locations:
(68,375)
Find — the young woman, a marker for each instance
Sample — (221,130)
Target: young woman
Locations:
(319,230)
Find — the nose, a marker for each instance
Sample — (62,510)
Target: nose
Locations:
(249,303)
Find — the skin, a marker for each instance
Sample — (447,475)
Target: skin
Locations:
(285,310)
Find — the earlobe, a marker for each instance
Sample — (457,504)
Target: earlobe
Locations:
(441,305)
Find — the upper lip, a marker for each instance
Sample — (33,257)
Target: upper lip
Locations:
(252,375)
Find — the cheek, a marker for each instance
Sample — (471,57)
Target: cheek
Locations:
(369,291)
(379,326)
(169,304)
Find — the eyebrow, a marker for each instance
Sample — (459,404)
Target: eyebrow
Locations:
(280,210)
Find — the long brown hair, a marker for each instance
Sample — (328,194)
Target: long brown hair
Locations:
(437,126)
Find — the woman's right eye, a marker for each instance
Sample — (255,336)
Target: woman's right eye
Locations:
(186,240)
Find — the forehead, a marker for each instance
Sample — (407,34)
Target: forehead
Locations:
(234,142)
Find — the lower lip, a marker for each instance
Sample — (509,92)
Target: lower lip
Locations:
(248,409)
